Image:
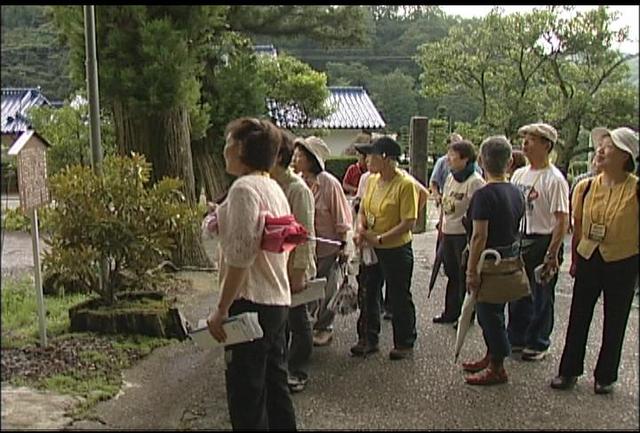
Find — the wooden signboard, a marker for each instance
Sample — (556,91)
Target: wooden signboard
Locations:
(31,152)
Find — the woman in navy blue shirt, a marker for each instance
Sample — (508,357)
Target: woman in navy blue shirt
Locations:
(495,212)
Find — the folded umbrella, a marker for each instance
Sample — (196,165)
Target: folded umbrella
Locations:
(437,264)
(284,233)
(469,305)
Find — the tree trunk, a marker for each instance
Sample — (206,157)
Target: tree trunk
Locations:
(165,140)
(131,131)
(209,169)
(572,131)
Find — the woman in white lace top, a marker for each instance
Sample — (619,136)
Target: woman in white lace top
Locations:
(252,279)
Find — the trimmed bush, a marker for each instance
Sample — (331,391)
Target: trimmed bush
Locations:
(118,220)
(337,166)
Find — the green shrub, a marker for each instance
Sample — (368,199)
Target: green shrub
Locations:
(117,220)
(67,130)
(337,166)
(14,220)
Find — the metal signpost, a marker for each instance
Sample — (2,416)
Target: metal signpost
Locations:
(30,150)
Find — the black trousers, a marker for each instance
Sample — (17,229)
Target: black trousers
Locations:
(453,245)
(256,375)
(616,280)
(396,265)
(370,282)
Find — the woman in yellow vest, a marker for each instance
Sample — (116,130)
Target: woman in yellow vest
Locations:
(606,225)
(387,214)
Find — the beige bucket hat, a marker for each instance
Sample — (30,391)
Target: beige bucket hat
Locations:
(625,139)
(317,147)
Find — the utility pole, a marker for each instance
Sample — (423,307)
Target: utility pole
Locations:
(94,112)
(92,88)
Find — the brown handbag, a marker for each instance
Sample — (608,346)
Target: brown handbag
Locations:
(504,282)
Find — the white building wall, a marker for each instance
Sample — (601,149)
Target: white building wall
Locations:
(339,139)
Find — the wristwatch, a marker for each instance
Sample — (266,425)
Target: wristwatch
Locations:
(379,239)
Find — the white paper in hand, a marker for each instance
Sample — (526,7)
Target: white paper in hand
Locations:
(239,329)
(313,291)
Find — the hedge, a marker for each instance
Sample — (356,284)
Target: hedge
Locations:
(337,166)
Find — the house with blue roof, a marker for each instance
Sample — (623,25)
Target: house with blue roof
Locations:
(16,103)
(266,50)
(353,112)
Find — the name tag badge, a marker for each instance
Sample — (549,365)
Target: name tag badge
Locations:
(371,220)
(597,232)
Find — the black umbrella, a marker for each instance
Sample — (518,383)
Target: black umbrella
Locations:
(437,262)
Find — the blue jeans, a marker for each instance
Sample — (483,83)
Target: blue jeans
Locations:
(491,320)
(531,318)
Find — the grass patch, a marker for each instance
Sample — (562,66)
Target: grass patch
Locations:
(20,326)
(97,373)
(91,389)
(141,343)
(91,365)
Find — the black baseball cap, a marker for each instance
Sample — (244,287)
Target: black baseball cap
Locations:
(382,146)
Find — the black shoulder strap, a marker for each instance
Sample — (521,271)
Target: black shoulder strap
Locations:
(523,221)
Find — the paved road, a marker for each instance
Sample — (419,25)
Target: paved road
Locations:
(182,386)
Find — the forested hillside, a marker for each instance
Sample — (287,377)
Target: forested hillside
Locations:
(385,64)
(32,55)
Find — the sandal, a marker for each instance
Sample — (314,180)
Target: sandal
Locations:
(487,377)
(476,366)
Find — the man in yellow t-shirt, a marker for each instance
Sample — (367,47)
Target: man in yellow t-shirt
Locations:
(387,214)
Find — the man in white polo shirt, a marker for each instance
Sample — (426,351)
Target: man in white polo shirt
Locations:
(547,217)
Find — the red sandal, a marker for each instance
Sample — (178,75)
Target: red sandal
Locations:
(475,366)
(488,377)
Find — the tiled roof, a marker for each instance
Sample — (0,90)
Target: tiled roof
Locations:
(15,105)
(353,109)
(267,50)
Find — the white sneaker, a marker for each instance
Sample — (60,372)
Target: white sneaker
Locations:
(533,355)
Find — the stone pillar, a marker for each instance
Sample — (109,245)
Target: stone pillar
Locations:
(418,154)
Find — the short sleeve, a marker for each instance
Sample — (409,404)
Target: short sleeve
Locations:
(435,174)
(480,206)
(560,195)
(242,228)
(408,200)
